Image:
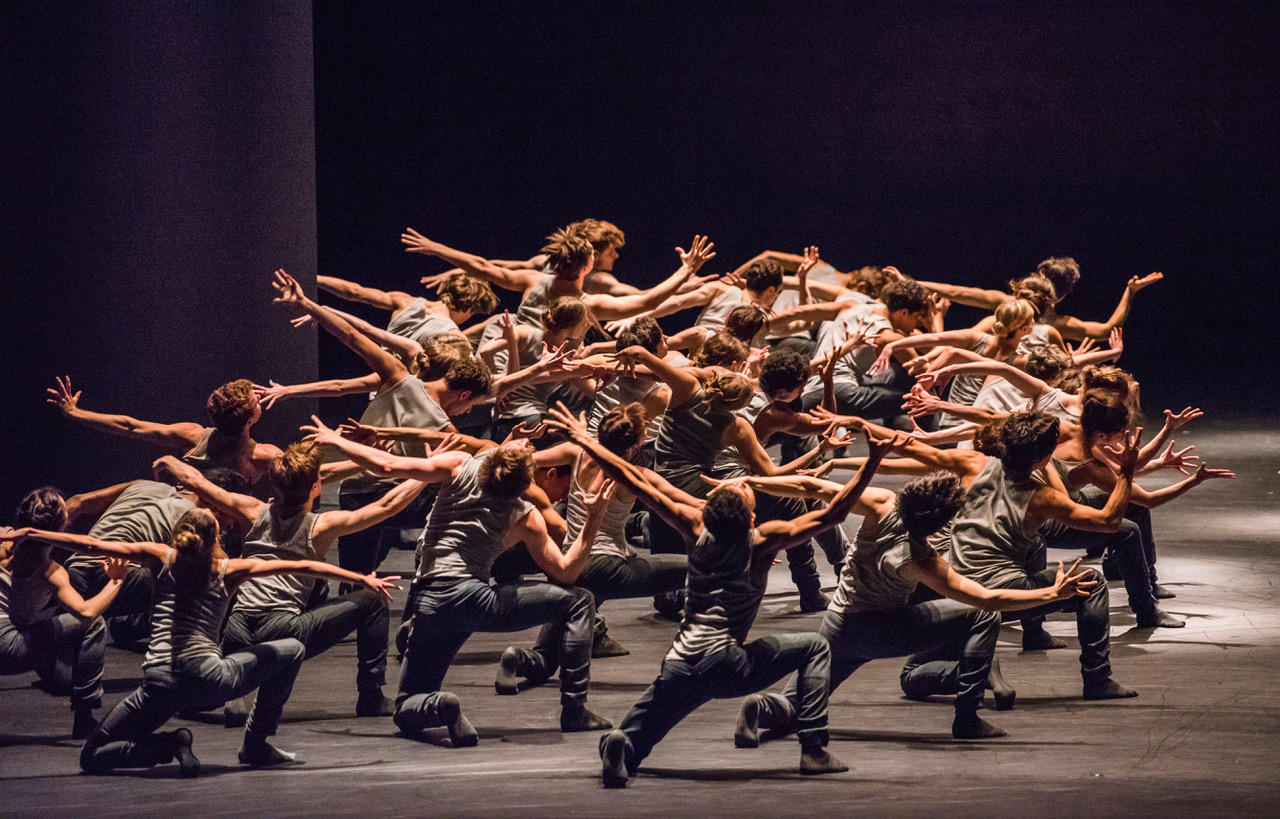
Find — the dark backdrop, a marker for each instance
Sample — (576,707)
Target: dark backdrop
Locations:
(158,163)
(963,141)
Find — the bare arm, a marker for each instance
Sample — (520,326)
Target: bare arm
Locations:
(372,296)
(56,576)
(330,526)
(972,296)
(92,504)
(938,575)
(330,388)
(613,307)
(244,507)
(432,469)
(176,437)
(508,278)
(1074,328)
(242,569)
(401,346)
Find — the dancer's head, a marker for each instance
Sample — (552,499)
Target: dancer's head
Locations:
(646,333)
(606,239)
(42,508)
(1038,290)
(564,319)
(439,353)
(1103,416)
(1048,364)
(745,322)
(295,474)
(721,350)
(730,512)
(195,539)
(764,279)
(1023,441)
(927,504)
(869,281)
(727,392)
(233,407)
(908,305)
(467,381)
(569,255)
(1062,272)
(783,375)
(508,470)
(622,429)
(1014,318)
(467,296)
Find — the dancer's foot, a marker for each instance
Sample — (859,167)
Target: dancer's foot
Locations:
(1161,593)
(1000,689)
(235,713)
(371,703)
(972,726)
(813,602)
(1040,641)
(814,760)
(1108,689)
(461,733)
(602,645)
(83,722)
(259,753)
(575,718)
(1159,618)
(747,732)
(613,755)
(188,765)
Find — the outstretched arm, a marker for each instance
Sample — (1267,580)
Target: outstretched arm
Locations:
(519,279)
(432,469)
(329,388)
(244,507)
(242,569)
(176,437)
(93,503)
(682,381)
(354,291)
(605,307)
(330,526)
(1075,329)
(938,575)
(90,545)
(401,346)
(116,568)
(971,296)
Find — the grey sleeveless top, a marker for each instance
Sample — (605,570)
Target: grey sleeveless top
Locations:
(715,313)
(1051,403)
(145,512)
(620,391)
(1038,337)
(186,622)
(729,461)
(721,602)
(987,541)
(416,323)
(851,368)
(23,599)
(406,404)
(209,453)
(869,579)
(688,441)
(530,399)
(466,529)
(611,536)
(275,536)
(821,272)
(535,300)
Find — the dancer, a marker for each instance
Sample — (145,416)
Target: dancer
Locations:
(729,561)
(184,664)
(461,297)
(478,515)
(871,615)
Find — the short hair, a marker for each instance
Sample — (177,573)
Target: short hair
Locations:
(1103,413)
(471,375)
(783,371)
(1036,289)
(567,253)
(1047,363)
(294,471)
(720,350)
(1108,377)
(599,233)
(905,294)
(622,428)
(744,322)
(232,405)
(929,503)
(726,515)
(1062,272)
(763,274)
(1011,315)
(563,312)
(506,472)
(644,331)
(42,508)
(1020,441)
(727,391)
(439,353)
(467,294)
(869,281)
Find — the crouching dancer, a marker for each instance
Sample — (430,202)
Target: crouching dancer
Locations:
(479,514)
(184,664)
(870,616)
(729,560)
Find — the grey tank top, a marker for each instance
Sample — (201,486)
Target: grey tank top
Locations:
(869,579)
(688,441)
(611,536)
(721,602)
(715,313)
(620,391)
(275,536)
(530,399)
(218,453)
(416,323)
(145,512)
(729,461)
(23,599)
(1051,403)
(850,369)
(1037,338)
(406,404)
(466,529)
(186,622)
(987,541)
(821,272)
(535,301)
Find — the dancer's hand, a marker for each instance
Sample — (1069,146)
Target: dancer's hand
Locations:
(880,445)
(1073,582)
(415,242)
(434,280)
(382,586)
(288,291)
(1175,421)
(809,261)
(1180,460)
(1136,283)
(270,394)
(116,568)
(526,430)
(701,251)
(62,398)
(319,433)
(1205,473)
(1124,457)
(559,417)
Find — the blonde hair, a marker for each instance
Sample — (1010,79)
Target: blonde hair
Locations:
(1011,315)
(727,391)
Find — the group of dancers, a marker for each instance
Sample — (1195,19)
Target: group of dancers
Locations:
(577,441)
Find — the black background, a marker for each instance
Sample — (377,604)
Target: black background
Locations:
(159,162)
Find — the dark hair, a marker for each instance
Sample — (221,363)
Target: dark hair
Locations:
(743,323)
(763,274)
(438,354)
(42,508)
(726,515)
(224,477)
(905,295)
(1020,441)
(622,428)
(644,331)
(1062,272)
(1103,413)
(231,406)
(294,471)
(1047,363)
(783,371)
(563,312)
(720,350)
(927,504)
(471,375)
(506,472)
(467,295)
(567,253)
(1038,290)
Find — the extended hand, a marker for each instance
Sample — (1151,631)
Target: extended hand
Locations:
(318,432)
(288,291)
(269,395)
(1176,421)
(1073,582)
(701,251)
(116,567)
(414,242)
(383,586)
(62,398)
(1138,282)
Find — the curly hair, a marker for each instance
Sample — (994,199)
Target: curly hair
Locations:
(567,253)
(721,350)
(622,428)
(644,332)
(563,312)
(1020,441)
(726,515)
(1047,363)
(905,295)
(232,405)
(1103,413)
(727,391)
(927,504)
(294,471)
(471,375)
(466,294)
(506,472)
(763,274)
(599,233)
(783,371)
(1036,289)
(744,322)
(1062,272)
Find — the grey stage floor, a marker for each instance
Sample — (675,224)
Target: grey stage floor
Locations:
(1202,739)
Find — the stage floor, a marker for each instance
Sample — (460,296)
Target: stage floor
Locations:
(1203,737)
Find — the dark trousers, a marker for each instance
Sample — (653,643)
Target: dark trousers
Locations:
(126,736)
(681,687)
(1126,546)
(365,550)
(445,616)
(66,652)
(129,615)
(1093,621)
(320,629)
